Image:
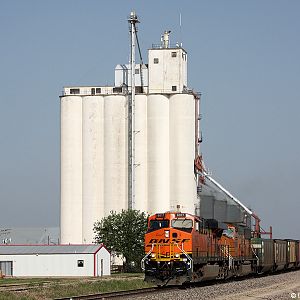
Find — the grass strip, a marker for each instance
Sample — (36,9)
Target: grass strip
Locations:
(78,287)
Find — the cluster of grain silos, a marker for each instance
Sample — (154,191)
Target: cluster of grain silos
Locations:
(96,148)
(94,144)
(94,158)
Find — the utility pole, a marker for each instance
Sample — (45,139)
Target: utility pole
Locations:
(132,20)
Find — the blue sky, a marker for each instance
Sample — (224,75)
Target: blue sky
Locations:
(243,57)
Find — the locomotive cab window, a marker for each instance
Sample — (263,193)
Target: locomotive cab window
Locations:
(158,224)
(183,224)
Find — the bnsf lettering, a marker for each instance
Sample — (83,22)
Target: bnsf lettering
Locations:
(161,241)
(166,241)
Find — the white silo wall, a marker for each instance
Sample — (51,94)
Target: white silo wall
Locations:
(115,177)
(141,153)
(158,154)
(71,169)
(92,164)
(183,191)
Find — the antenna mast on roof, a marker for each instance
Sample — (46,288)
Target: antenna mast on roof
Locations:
(132,20)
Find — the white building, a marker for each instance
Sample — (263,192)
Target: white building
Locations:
(50,261)
(94,144)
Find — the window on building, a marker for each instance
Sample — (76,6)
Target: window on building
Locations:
(137,71)
(155,60)
(98,90)
(174,88)
(173,54)
(139,89)
(93,91)
(80,263)
(74,91)
(6,267)
(117,90)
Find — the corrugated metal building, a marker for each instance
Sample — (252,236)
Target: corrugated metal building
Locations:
(50,261)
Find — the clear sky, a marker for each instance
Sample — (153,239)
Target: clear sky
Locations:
(244,56)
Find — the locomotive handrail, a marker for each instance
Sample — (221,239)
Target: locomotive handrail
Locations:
(144,258)
(231,260)
(255,254)
(187,256)
(230,257)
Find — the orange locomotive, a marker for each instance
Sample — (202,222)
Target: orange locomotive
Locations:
(182,248)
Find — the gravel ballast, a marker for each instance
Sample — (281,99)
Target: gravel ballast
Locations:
(278,286)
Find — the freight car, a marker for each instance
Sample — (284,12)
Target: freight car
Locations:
(275,255)
(183,248)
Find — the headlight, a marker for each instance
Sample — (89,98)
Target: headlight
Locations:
(167,233)
(153,255)
(177,255)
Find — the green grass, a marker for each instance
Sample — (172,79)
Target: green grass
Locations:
(6,281)
(63,288)
(10,296)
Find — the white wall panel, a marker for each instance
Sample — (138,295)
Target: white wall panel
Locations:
(58,264)
(167,68)
(103,255)
(51,265)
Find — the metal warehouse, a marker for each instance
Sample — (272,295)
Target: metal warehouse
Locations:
(53,260)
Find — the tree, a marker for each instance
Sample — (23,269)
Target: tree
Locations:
(123,233)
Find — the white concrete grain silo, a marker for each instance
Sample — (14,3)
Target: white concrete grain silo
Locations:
(115,175)
(71,169)
(141,153)
(94,146)
(92,163)
(158,153)
(183,184)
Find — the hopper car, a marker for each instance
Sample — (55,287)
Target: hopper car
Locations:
(182,248)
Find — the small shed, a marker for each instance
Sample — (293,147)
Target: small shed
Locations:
(54,260)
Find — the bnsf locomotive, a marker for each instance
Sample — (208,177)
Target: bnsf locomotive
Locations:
(182,248)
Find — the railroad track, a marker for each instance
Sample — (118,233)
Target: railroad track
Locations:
(16,287)
(119,294)
(21,287)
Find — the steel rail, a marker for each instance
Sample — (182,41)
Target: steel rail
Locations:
(118,294)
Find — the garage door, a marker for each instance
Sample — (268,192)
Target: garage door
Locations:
(6,267)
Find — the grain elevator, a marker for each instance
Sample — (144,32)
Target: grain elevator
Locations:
(132,144)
